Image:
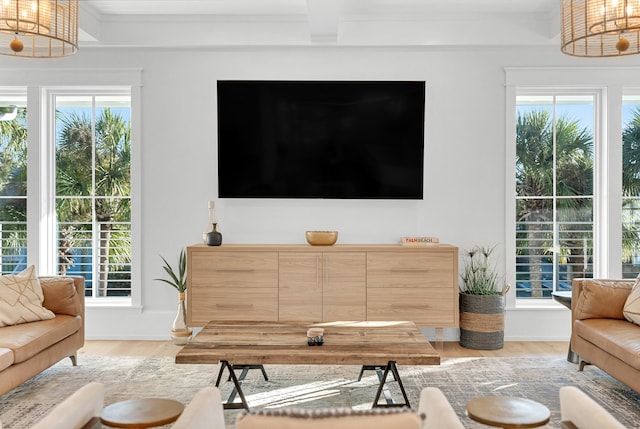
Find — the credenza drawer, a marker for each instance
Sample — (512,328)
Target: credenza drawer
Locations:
(234,269)
(220,304)
(433,307)
(400,270)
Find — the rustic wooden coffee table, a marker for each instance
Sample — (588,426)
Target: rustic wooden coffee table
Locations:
(246,344)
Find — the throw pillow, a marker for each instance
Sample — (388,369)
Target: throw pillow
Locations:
(21,299)
(60,295)
(602,299)
(340,418)
(632,305)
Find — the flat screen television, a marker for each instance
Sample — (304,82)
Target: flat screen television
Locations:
(321,139)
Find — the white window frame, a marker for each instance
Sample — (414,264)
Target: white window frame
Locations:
(20,91)
(47,225)
(609,83)
(40,81)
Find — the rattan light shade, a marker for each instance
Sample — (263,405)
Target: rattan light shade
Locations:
(600,28)
(38,28)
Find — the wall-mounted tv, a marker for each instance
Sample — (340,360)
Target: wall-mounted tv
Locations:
(321,139)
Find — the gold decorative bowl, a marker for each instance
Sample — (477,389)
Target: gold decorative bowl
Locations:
(322,238)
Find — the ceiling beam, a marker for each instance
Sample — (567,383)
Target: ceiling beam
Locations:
(89,27)
(323,20)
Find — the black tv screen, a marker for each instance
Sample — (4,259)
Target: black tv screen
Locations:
(321,139)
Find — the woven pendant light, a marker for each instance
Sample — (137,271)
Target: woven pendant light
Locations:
(38,28)
(600,28)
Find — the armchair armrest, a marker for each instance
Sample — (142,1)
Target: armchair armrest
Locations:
(76,410)
(440,414)
(583,412)
(203,411)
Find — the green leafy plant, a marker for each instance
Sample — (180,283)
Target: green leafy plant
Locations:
(479,276)
(177,279)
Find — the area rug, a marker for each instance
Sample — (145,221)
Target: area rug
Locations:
(316,386)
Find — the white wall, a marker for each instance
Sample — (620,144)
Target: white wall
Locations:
(464,176)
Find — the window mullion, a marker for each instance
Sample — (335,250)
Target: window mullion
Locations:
(607,247)
(556,242)
(95,242)
(44,192)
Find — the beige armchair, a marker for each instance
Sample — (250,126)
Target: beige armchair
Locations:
(82,410)
(433,404)
(205,411)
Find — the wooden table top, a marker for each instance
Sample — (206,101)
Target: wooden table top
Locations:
(508,412)
(141,413)
(345,343)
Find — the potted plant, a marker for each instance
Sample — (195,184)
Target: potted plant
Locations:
(180,332)
(481,302)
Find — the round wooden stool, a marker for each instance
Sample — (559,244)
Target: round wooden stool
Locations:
(508,412)
(141,413)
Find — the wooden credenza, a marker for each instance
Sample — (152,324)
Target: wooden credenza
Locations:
(317,283)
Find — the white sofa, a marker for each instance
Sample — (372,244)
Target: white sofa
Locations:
(82,410)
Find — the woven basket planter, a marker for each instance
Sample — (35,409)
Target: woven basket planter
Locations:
(482,321)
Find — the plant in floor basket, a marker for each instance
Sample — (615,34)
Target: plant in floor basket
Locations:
(180,332)
(482,301)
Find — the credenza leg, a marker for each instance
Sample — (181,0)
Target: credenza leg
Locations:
(439,344)
(391,366)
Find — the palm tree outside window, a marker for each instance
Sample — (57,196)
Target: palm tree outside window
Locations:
(93,191)
(555,168)
(554,192)
(13,184)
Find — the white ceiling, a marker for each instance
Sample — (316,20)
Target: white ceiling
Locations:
(186,23)
(287,7)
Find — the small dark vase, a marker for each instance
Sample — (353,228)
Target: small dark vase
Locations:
(214,238)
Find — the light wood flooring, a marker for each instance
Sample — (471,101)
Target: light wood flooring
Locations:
(449,349)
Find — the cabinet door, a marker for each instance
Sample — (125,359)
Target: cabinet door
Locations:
(418,286)
(300,294)
(231,286)
(344,295)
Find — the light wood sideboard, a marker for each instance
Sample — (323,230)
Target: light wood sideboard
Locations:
(300,282)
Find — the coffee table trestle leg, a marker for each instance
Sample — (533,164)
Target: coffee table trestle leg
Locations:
(230,405)
(391,366)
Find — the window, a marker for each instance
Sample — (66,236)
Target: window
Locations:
(77,217)
(600,208)
(13,181)
(554,175)
(93,190)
